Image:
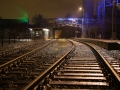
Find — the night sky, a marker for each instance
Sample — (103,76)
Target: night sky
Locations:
(15,9)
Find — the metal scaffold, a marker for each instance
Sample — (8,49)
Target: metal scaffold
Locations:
(109,10)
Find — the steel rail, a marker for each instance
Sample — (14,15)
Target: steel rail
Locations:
(14,49)
(47,71)
(7,64)
(106,62)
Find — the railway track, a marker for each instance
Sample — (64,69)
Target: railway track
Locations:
(111,59)
(82,68)
(112,62)
(20,71)
(16,51)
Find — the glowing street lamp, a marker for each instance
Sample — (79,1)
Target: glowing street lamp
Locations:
(81,9)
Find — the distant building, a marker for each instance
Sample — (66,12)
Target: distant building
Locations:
(14,26)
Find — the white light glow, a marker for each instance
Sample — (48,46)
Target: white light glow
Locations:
(80,8)
(30,29)
(45,29)
(73,20)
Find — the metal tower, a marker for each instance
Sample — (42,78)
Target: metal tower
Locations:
(108,11)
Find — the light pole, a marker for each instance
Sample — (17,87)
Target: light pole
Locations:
(81,9)
(113,22)
(83,32)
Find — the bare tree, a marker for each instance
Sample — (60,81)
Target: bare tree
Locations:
(38,20)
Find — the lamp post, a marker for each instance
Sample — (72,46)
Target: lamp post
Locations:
(81,9)
(113,22)
(83,32)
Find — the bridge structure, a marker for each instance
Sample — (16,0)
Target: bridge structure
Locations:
(104,19)
(82,23)
(77,22)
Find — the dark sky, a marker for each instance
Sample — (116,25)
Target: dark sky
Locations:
(13,9)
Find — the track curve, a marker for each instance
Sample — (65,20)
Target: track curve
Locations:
(82,69)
